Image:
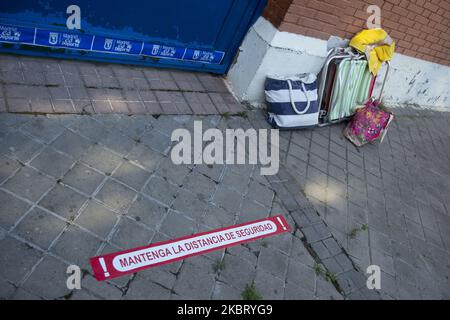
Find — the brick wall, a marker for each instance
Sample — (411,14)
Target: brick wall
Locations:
(420,28)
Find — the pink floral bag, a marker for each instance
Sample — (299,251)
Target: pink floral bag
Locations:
(369,123)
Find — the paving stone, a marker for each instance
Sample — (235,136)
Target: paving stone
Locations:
(269,286)
(214,171)
(195,281)
(156,141)
(16,259)
(76,245)
(187,81)
(161,190)
(200,103)
(176,225)
(39,227)
(116,195)
(22,294)
(19,146)
(282,242)
(48,279)
(117,142)
(200,185)
(29,184)
(188,204)
(83,178)
(7,168)
(159,276)
(273,261)
(216,217)
(101,159)
(97,219)
(147,211)
(71,143)
(43,128)
(296,292)
(405,271)
(316,233)
(52,163)
(145,157)
(250,210)
(101,289)
(344,261)
(260,193)
(228,199)
(63,201)
(332,246)
(172,172)
(248,251)
(130,234)
(222,291)
(131,175)
(238,273)
(300,253)
(14,207)
(321,250)
(142,289)
(6,289)
(301,274)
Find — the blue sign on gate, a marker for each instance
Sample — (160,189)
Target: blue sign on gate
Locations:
(162,51)
(112,45)
(204,56)
(16,34)
(63,39)
(78,41)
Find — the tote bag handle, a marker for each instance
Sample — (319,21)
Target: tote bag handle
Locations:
(291,96)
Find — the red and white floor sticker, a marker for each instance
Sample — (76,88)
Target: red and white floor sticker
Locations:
(129,261)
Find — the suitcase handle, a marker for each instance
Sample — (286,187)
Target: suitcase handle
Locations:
(384,80)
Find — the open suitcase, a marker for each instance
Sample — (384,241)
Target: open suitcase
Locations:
(344,83)
(299,101)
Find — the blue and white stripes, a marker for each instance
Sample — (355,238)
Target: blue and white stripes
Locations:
(292,102)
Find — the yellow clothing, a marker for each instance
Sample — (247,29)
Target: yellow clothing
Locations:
(376,44)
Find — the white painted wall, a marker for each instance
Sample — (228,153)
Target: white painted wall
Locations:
(265,51)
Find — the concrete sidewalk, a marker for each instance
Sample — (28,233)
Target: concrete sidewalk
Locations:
(387,204)
(41,86)
(72,187)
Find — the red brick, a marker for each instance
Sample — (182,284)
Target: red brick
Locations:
(387,6)
(432,7)
(293,28)
(404,44)
(415,8)
(318,34)
(302,11)
(422,20)
(396,35)
(441,28)
(310,23)
(395,2)
(328,18)
(289,17)
(432,39)
(418,41)
(436,18)
(406,22)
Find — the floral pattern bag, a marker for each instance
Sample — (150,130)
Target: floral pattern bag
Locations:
(369,123)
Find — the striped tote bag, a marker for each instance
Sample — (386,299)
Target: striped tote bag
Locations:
(292,102)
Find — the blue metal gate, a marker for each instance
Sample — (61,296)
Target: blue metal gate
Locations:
(196,34)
